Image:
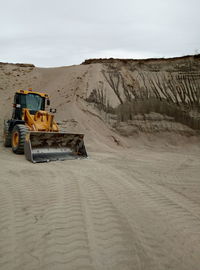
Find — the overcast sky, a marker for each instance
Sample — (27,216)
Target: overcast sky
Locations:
(65,32)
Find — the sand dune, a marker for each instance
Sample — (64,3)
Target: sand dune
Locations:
(134,203)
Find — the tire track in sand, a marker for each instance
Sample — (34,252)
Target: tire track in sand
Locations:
(115,245)
(166,223)
(45,229)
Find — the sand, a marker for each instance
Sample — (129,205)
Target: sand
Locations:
(133,204)
(133,209)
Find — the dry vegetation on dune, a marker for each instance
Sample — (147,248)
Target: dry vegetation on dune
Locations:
(134,203)
(166,86)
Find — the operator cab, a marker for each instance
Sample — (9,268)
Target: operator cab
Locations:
(30,100)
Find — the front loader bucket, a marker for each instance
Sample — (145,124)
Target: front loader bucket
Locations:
(48,146)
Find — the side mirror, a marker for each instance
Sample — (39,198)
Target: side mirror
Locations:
(48,102)
(53,110)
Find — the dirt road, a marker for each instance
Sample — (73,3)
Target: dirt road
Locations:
(136,209)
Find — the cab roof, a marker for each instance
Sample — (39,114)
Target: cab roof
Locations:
(30,91)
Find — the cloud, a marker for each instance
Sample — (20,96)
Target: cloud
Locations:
(63,32)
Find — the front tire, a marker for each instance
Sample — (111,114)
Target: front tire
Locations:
(18,138)
(6,135)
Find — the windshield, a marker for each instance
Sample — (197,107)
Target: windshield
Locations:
(34,102)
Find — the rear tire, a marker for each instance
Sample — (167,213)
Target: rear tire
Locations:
(6,135)
(18,138)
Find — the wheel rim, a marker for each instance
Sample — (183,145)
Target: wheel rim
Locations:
(15,139)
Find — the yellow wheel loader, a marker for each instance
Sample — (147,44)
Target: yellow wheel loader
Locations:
(33,131)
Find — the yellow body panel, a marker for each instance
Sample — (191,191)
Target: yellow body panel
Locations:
(41,121)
